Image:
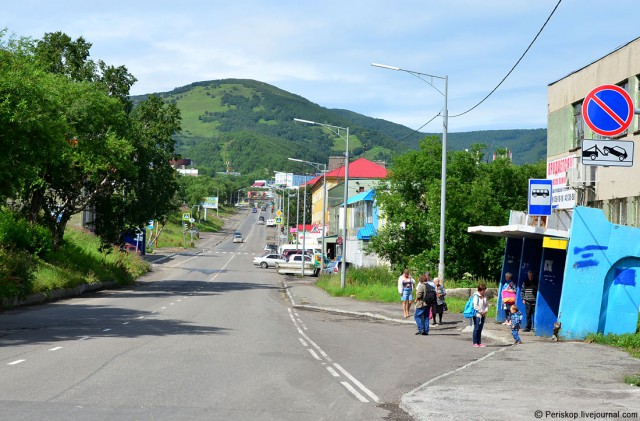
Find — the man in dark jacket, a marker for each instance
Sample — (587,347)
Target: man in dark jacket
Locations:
(529,294)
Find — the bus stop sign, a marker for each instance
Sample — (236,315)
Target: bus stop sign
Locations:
(540,197)
(608,110)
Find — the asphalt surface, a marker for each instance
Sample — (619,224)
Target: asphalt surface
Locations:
(539,379)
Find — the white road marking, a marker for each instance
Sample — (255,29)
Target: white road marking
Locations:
(125,323)
(56,348)
(313,353)
(221,269)
(336,365)
(140,317)
(171,304)
(357,383)
(302,342)
(16,362)
(106,330)
(179,300)
(179,263)
(333,372)
(354,392)
(83,338)
(162,308)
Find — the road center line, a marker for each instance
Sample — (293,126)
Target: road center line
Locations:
(354,392)
(357,383)
(336,365)
(223,268)
(16,362)
(56,348)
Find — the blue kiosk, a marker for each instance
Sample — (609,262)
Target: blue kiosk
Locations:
(587,270)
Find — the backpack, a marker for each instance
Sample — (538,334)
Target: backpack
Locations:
(469,311)
(430,295)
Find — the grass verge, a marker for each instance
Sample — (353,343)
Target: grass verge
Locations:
(380,285)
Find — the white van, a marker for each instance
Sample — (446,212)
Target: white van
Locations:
(309,248)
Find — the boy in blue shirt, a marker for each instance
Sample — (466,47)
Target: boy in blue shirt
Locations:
(516,319)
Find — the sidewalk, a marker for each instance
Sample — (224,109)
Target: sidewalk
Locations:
(540,379)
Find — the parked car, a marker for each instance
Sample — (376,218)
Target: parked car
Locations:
(333,267)
(268,260)
(237,237)
(271,222)
(271,248)
(293,266)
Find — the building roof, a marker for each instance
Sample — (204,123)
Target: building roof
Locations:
(258,184)
(312,181)
(366,232)
(364,196)
(360,168)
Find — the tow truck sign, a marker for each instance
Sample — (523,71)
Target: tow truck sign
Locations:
(610,153)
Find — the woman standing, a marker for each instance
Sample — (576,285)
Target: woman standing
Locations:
(405,288)
(481,306)
(439,307)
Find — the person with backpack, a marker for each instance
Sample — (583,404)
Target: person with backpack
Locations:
(430,298)
(421,315)
(481,307)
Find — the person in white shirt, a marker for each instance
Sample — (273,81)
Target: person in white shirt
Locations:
(481,306)
(405,289)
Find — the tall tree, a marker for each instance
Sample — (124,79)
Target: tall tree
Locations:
(478,193)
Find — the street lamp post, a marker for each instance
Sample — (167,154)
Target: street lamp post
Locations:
(445,125)
(336,130)
(324,200)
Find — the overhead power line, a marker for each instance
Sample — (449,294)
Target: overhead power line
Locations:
(515,65)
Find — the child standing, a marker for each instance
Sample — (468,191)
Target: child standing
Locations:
(516,319)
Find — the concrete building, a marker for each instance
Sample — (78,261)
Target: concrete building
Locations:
(586,254)
(615,190)
(287,179)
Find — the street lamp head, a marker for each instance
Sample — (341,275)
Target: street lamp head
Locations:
(384,66)
(304,121)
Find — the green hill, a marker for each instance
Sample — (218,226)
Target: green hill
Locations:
(247,126)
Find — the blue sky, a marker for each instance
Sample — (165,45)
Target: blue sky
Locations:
(323,50)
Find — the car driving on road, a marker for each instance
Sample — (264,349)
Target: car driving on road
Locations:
(268,261)
(237,237)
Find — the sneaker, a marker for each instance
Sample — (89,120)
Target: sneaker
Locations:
(519,342)
(476,345)
(418,333)
(425,333)
(526,330)
(481,345)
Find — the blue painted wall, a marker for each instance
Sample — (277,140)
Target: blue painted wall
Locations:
(600,290)
(549,290)
(510,263)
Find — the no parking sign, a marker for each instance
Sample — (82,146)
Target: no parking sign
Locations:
(608,110)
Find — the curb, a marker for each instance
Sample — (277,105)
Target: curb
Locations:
(467,329)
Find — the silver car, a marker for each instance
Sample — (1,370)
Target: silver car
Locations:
(237,237)
(268,260)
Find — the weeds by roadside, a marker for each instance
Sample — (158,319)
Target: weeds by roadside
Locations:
(380,285)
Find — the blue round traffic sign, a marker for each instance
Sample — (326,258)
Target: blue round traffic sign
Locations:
(608,110)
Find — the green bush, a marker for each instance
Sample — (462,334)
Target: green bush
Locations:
(16,273)
(17,233)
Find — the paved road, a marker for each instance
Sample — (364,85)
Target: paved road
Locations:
(208,336)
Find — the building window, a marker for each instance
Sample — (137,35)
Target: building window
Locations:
(578,125)
(618,211)
(637,99)
(625,85)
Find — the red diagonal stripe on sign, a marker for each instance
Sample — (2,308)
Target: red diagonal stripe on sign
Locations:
(608,110)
